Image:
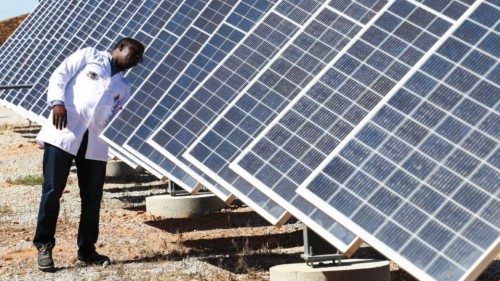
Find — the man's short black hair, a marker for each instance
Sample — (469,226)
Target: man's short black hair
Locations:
(130,41)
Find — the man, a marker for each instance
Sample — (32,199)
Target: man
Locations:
(85,91)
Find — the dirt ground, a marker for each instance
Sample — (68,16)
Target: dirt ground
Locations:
(232,244)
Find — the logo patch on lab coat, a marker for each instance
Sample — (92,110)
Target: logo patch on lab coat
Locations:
(92,75)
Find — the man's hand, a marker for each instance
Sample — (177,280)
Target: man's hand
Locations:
(59,116)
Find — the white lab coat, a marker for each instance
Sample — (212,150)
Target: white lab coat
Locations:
(91,97)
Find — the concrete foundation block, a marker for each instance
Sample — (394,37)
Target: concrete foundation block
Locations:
(119,169)
(350,270)
(186,206)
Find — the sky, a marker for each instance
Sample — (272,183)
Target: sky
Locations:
(12,8)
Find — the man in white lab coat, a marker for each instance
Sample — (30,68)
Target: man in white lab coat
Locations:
(84,92)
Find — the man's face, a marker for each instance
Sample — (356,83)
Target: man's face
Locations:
(127,56)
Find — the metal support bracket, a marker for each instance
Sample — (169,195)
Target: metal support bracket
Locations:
(318,252)
(10,87)
(174,190)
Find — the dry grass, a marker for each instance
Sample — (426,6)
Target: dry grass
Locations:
(70,181)
(179,242)
(6,127)
(30,180)
(64,212)
(6,210)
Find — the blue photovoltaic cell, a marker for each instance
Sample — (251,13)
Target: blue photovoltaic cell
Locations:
(309,53)
(17,65)
(170,65)
(321,117)
(164,76)
(28,71)
(198,111)
(231,32)
(11,50)
(430,157)
(450,8)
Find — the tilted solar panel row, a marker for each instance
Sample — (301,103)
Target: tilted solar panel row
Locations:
(418,176)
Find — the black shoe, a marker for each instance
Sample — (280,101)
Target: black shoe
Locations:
(93,257)
(44,259)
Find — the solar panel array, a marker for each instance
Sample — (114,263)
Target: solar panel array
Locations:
(319,41)
(370,118)
(417,179)
(237,23)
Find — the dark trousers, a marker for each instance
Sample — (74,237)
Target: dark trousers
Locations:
(91,173)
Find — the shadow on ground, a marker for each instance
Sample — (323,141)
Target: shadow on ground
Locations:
(242,244)
(246,263)
(135,188)
(28,132)
(235,254)
(217,220)
(132,178)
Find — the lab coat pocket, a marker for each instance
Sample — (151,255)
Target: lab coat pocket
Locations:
(74,120)
(102,116)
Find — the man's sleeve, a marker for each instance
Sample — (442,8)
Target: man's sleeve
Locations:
(63,74)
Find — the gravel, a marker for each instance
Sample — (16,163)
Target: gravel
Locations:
(142,247)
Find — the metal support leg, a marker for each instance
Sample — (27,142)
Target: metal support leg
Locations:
(317,251)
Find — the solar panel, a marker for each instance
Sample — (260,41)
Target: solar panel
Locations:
(17,54)
(320,40)
(7,50)
(418,178)
(201,19)
(31,50)
(236,24)
(220,43)
(164,38)
(10,46)
(233,74)
(11,50)
(313,104)
(317,119)
(29,69)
